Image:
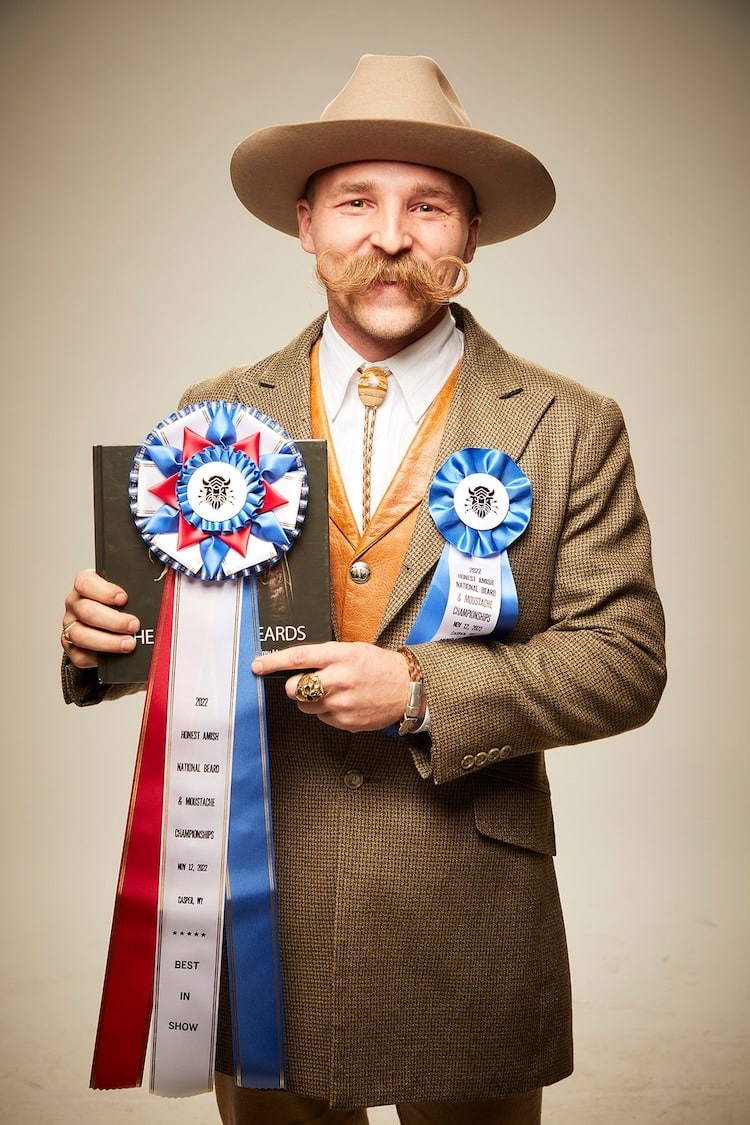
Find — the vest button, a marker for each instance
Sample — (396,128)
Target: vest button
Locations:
(359,572)
(353,779)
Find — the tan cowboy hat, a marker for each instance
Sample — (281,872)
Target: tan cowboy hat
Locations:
(394,107)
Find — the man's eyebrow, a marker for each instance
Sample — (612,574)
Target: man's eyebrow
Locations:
(427,188)
(354,187)
(349,187)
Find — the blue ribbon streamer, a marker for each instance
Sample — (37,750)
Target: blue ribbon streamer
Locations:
(433,607)
(251,915)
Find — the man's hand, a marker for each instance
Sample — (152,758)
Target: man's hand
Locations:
(366,687)
(94,622)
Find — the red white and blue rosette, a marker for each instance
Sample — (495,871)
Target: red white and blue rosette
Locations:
(218,491)
(480,501)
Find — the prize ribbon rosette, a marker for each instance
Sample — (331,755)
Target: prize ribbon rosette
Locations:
(218,491)
(480,501)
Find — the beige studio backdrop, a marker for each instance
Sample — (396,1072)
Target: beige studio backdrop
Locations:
(130,270)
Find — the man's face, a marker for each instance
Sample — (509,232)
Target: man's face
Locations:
(391,209)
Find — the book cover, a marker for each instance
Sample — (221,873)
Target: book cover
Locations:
(293,595)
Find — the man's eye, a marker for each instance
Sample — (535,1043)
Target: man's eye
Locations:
(355,203)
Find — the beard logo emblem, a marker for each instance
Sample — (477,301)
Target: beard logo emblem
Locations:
(215,491)
(481,501)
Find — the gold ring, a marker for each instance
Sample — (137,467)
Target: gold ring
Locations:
(66,630)
(310,688)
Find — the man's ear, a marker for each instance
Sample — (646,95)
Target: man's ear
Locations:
(471,241)
(304,223)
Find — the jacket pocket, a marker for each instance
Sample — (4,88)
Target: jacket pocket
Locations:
(514,813)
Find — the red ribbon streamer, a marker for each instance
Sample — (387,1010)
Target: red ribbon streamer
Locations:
(127,994)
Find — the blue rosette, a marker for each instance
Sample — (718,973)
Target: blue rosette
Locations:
(480,501)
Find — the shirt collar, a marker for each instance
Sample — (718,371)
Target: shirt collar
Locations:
(420,370)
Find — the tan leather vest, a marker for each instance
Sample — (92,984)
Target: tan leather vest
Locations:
(359,607)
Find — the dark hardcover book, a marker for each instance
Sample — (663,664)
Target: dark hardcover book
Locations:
(293,595)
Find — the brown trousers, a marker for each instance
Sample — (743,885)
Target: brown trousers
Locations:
(274,1107)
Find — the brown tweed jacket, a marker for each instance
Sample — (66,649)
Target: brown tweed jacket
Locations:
(423,945)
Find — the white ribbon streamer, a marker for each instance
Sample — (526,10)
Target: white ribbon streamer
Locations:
(195,830)
(474,597)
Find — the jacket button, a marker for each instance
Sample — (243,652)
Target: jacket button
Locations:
(359,572)
(505,751)
(353,779)
(467,762)
(481,758)
(493,754)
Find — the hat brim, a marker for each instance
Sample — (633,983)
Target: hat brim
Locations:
(270,168)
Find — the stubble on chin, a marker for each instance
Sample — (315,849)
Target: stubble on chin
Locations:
(364,318)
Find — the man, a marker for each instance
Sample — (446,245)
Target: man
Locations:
(423,948)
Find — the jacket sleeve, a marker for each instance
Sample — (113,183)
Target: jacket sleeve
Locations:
(81,686)
(596,666)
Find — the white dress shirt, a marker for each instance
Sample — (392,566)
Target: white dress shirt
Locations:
(418,374)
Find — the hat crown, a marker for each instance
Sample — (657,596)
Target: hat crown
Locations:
(398,88)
